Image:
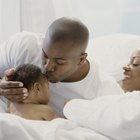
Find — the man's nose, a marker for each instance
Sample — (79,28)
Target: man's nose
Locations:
(49,65)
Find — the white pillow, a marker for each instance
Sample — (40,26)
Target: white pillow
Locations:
(113,52)
(23,47)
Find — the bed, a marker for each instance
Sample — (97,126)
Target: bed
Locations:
(105,118)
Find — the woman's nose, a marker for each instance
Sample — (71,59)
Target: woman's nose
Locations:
(126,68)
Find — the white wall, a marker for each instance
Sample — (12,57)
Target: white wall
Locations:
(102,17)
(9,18)
(36,15)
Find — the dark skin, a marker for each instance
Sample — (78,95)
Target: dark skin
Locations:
(131,80)
(64,65)
(12,90)
(67,68)
(63,60)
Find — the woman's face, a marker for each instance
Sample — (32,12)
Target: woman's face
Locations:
(131,80)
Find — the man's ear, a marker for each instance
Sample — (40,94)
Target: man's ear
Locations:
(83,57)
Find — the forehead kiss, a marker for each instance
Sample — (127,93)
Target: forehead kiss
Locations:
(64,45)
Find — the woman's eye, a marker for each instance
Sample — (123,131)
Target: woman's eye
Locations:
(135,65)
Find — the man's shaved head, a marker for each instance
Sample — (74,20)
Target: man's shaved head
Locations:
(64,50)
(69,29)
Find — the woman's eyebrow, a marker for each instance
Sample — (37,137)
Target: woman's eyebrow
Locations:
(136,56)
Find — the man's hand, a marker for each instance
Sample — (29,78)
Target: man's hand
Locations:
(12,90)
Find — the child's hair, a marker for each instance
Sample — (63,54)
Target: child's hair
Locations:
(28,74)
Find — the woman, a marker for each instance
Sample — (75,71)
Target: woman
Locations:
(116,116)
(131,79)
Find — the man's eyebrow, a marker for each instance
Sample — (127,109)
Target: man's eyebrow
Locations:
(54,58)
(44,53)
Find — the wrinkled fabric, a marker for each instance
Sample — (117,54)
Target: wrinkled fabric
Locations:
(16,128)
(116,116)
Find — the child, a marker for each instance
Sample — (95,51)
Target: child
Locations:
(35,107)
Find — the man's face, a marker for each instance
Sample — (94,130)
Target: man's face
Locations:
(131,79)
(60,61)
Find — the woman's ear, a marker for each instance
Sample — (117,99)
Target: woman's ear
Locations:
(83,57)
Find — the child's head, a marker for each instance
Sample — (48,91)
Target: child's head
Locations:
(34,81)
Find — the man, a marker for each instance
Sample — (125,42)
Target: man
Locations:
(66,66)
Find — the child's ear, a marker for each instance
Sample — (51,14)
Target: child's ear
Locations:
(83,57)
(37,87)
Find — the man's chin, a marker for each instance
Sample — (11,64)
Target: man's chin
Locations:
(53,80)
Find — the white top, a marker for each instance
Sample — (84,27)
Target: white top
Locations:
(25,47)
(95,84)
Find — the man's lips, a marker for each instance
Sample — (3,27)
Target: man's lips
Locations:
(51,78)
(48,75)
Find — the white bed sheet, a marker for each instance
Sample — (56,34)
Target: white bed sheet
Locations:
(16,128)
(105,118)
(115,117)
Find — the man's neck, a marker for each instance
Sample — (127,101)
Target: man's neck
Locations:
(80,74)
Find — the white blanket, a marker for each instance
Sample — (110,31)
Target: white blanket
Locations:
(117,116)
(15,128)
